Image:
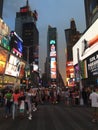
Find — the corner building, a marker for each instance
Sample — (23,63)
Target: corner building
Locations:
(25,26)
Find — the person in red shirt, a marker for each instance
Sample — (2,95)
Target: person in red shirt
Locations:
(16,96)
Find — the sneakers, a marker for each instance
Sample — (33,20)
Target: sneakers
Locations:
(30,118)
(34,109)
(6,116)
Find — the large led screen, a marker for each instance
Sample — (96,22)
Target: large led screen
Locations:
(92,65)
(16,42)
(22,69)
(53,68)
(3,58)
(53,48)
(13,66)
(87,44)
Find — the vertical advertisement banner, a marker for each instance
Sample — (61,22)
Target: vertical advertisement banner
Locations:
(92,65)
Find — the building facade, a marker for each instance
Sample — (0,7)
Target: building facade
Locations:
(51,62)
(1,8)
(85,57)
(72,36)
(91,11)
(25,26)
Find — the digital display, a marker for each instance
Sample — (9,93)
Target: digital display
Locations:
(3,58)
(16,43)
(4,35)
(52,48)
(22,69)
(87,44)
(13,66)
(53,68)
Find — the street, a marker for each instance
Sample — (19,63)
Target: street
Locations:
(52,117)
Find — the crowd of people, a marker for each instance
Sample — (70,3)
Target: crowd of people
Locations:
(89,98)
(24,101)
(20,101)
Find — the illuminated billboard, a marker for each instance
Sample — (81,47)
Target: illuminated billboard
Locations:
(87,44)
(53,68)
(5,42)
(52,48)
(3,58)
(22,69)
(13,66)
(4,29)
(92,65)
(16,44)
(4,35)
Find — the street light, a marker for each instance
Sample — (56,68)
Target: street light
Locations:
(80,77)
(28,65)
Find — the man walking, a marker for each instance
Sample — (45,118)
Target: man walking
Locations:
(94,104)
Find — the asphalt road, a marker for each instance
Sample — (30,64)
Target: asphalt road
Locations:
(52,117)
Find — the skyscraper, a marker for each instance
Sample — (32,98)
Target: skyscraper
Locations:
(1,8)
(25,26)
(51,65)
(72,36)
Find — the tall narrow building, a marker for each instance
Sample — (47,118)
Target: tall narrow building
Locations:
(25,26)
(51,62)
(72,36)
(1,8)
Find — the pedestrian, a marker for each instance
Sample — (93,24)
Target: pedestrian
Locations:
(94,104)
(84,96)
(8,103)
(22,103)
(16,96)
(29,103)
(67,95)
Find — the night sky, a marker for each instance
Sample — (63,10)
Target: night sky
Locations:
(56,13)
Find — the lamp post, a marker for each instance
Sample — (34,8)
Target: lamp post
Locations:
(28,65)
(80,77)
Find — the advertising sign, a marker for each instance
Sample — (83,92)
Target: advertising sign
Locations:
(22,69)
(16,44)
(13,66)
(92,65)
(4,35)
(53,68)
(3,58)
(4,29)
(52,48)
(87,44)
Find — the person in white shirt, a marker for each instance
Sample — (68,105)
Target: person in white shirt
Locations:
(29,103)
(94,104)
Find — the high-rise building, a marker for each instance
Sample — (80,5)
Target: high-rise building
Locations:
(1,8)
(51,65)
(25,27)
(91,11)
(72,36)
